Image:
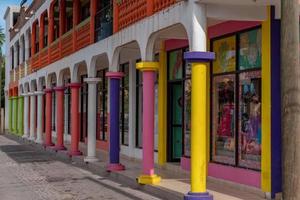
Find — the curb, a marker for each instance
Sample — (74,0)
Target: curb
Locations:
(121,178)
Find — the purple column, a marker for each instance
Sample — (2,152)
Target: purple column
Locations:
(114,112)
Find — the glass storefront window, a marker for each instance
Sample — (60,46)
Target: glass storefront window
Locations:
(102,106)
(250,119)
(187,117)
(224,119)
(124,107)
(236,100)
(250,49)
(225,50)
(175,65)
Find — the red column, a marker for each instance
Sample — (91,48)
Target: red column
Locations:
(48,140)
(93,10)
(60,118)
(62,18)
(41,33)
(75,21)
(75,119)
(33,32)
(51,24)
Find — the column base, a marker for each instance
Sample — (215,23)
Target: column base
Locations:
(90,159)
(198,196)
(59,148)
(74,153)
(115,167)
(31,138)
(39,141)
(149,179)
(25,136)
(48,145)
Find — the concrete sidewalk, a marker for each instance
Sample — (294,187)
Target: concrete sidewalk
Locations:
(174,184)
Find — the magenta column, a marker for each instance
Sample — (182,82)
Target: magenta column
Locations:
(149,72)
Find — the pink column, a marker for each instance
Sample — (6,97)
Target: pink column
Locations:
(148,69)
(74,151)
(60,118)
(148,122)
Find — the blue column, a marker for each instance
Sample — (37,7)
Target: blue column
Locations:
(114,135)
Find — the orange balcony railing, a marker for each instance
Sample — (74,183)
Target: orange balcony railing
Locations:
(43,57)
(162,4)
(131,11)
(28,71)
(35,62)
(22,70)
(66,44)
(83,34)
(17,74)
(127,12)
(54,51)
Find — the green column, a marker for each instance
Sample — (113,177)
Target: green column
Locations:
(10,114)
(20,115)
(15,114)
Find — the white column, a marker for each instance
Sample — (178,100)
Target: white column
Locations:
(32,116)
(39,131)
(92,96)
(26,109)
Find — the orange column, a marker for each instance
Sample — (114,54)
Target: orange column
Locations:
(60,118)
(62,17)
(116,17)
(93,9)
(75,21)
(51,24)
(74,151)
(41,33)
(48,140)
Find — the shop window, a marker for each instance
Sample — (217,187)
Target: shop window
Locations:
(67,106)
(176,66)
(124,105)
(139,109)
(236,100)
(102,106)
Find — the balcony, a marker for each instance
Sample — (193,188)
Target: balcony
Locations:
(72,41)
(128,12)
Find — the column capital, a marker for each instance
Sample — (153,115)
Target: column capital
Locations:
(31,93)
(92,80)
(39,93)
(48,90)
(74,85)
(59,88)
(199,56)
(114,75)
(147,66)
(25,94)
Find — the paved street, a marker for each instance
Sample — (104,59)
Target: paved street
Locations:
(27,174)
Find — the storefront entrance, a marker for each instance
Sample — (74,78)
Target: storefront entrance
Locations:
(84,107)
(176,102)
(175,121)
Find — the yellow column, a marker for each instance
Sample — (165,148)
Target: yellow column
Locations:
(266,105)
(162,106)
(199,123)
(198,128)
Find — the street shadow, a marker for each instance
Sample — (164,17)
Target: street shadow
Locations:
(24,154)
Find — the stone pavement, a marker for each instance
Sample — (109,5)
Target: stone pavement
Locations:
(72,173)
(28,174)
